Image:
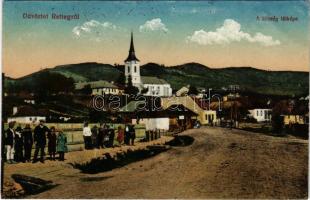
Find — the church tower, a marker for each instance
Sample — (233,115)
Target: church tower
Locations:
(132,66)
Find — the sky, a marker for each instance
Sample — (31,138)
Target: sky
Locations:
(216,34)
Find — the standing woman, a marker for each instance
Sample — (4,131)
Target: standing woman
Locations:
(132,134)
(120,135)
(28,141)
(51,136)
(62,145)
(18,145)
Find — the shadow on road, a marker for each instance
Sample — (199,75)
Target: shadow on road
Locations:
(107,163)
(32,185)
(182,140)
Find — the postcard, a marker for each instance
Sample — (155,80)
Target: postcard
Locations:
(155,99)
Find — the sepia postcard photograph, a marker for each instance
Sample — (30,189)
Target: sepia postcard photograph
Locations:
(155,99)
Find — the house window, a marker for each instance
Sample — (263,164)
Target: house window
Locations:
(257,113)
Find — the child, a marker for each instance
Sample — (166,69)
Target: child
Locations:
(120,135)
(51,135)
(62,145)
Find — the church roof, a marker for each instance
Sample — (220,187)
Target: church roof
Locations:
(153,80)
(131,55)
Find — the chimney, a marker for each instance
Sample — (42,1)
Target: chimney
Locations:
(15,109)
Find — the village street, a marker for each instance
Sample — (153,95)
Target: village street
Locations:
(220,163)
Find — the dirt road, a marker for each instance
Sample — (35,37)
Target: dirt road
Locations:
(220,163)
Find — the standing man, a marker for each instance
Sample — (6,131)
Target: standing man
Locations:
(87,136)
(40,133)
(9,143)
(28,141)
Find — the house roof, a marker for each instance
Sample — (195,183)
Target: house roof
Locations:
(95,84)
(132,106)
(131,55)
(24,111)
(172,111)
(153,80)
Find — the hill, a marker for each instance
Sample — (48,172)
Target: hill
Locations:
(249,78)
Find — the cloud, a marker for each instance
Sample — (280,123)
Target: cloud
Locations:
(153,25)
(230,32)
(92,26)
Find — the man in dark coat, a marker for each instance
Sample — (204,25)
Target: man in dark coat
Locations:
(111,137)
(19,144)
(39,137)
(94,137)
(28,141)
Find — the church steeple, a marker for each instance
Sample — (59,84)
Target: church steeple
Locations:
(132,55)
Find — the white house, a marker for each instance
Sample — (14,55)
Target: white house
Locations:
(26,115)
(261,115)
(99,87)
(152,124)
(155,86)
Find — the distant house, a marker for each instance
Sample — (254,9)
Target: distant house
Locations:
(26,115)
(260,114)
(294,119)
(27,97)
(293,111)
(154,85)
(99,87)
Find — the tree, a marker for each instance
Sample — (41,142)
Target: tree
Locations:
(130,89)
(121,80)
(87,90)
(192,90)
(144,90)
(48,83)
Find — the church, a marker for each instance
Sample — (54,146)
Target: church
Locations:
(154,85)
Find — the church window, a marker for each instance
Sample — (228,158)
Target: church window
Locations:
(135,69)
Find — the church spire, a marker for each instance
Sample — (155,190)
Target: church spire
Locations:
(131,55)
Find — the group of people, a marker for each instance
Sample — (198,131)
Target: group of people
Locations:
(19,143)
(103,136)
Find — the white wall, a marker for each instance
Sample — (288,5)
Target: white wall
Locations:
(163,90)
(261,115)
(26,119)
(102,91)
(154,123)
(135,74)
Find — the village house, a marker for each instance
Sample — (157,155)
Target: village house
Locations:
(138,112)
(205,115)
(154,85)
(100,87)
(294,119)
(26,115)
(261,114)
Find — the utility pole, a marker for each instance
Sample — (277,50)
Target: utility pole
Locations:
(233,109)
